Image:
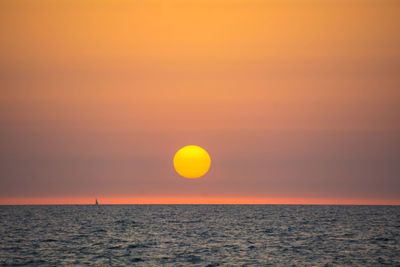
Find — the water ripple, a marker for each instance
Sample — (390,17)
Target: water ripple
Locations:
(200,235)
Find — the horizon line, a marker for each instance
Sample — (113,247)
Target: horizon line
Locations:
(195,200)
(260,204)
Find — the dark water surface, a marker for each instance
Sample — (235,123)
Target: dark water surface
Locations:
(201,235)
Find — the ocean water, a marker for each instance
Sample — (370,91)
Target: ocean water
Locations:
(200,235)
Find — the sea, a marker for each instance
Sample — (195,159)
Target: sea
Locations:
(200,235)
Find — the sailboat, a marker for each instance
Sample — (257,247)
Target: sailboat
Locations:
(97,203)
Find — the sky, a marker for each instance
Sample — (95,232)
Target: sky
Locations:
(295,101)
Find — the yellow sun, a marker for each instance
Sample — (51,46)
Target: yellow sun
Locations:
(192,161)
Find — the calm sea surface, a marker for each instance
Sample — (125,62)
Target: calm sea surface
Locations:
(200,235)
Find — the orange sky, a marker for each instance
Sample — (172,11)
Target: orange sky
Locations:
(296,101)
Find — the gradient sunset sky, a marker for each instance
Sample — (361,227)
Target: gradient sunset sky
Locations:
(296,101)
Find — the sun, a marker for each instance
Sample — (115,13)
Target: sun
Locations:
(192,161)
